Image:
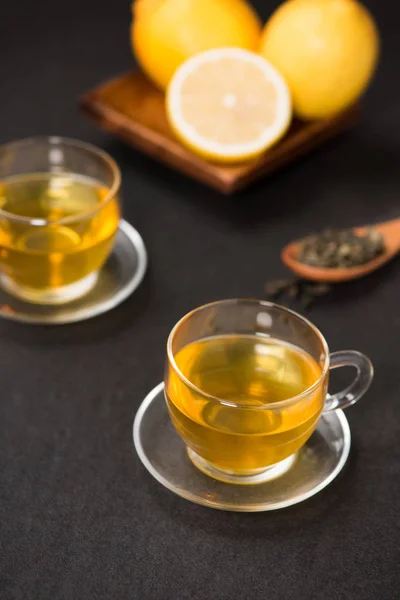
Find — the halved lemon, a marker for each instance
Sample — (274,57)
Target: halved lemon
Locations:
(228,104)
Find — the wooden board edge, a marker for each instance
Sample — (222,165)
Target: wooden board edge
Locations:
(139,136)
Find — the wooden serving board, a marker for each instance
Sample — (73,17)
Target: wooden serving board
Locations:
(131,108)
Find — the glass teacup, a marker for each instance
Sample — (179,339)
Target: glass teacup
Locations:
(59,213)
(245,384)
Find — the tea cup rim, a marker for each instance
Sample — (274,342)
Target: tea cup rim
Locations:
(72,142)
(266,406)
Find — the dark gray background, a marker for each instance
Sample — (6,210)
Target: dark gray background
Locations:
(80,517)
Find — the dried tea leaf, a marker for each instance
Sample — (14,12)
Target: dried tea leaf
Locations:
(318,289)
(306,301)
(275,288)
(340,248)
(293,291)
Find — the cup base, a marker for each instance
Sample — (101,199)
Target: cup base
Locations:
(165,456)
(261,476)
(60,295)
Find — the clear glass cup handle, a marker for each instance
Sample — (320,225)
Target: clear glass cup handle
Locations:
(352,393)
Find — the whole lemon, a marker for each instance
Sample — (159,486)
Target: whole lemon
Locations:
(167,32)
(326,49)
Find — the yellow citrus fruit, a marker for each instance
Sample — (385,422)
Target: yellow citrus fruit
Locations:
(326,49)
(228,104)
(167,32)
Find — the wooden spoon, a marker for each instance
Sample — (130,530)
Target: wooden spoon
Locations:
(390,231)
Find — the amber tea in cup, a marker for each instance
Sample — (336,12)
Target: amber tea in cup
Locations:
(246,382)
(59,213)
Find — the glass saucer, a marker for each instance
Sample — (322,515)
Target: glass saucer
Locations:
(164,455)
(117,279)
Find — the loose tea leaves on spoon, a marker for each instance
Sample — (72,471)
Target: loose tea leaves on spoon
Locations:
(340,248)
